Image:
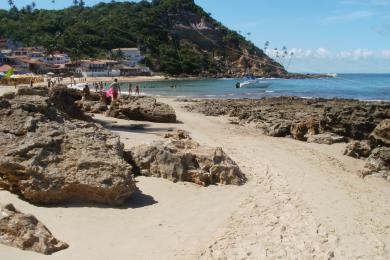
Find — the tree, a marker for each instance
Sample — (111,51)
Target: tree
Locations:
(11,3)
(33,5)
(75,2)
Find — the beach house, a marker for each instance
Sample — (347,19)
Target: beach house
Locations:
(131,56)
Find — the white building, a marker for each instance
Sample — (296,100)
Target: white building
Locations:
(132,56)
(55,59)
(97,68)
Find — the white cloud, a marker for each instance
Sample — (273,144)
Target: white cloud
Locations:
(322,53)
(356,54)
(347,17)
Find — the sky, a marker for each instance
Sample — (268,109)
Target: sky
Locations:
(326,36)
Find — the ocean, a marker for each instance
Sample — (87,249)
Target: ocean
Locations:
(351,86)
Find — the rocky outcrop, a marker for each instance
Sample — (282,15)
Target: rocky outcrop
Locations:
(182,159)
(358,149)
(47,156)
(283,116)
(26,232)
(142,109)
(378,163)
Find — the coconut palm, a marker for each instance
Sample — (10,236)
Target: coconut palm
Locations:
(11,3)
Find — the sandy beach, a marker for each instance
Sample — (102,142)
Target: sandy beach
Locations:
(301,201)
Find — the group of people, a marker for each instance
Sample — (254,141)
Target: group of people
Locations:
(113,92)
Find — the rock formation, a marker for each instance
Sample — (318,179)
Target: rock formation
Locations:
(142,109)
(300,118)
(47,156)
(182,159)
(26,232)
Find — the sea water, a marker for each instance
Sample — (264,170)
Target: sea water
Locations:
(351,86)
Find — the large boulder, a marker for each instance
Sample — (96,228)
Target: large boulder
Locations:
(142,109)
(182,159)
(48,157)
(26,232)
(381,134)
(378,163)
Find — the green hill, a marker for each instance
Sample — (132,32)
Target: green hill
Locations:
(175,36)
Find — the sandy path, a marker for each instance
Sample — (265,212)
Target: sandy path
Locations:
(301,201)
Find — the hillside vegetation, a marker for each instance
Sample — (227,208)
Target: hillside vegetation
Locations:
(175,36)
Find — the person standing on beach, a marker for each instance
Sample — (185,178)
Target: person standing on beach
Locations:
(86,92)
(137,90)
(116,89)
(130,89)
(96,86)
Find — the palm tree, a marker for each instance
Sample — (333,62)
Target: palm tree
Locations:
(54,3)
(266,45)
(33,5)
(11,3)
(75,2)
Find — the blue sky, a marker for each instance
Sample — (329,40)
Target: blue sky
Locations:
(325,35)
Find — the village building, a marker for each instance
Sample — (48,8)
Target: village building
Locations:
(97,68)
(131,56)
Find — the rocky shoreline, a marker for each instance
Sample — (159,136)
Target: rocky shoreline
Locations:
(364,125)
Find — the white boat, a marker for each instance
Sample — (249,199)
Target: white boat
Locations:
(252,82)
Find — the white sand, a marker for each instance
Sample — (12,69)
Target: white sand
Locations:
(302,201)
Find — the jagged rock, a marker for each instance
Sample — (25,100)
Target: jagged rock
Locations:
(378,163)
(381,134)
(142,109)
(325,138)
(48,157)
(358,149)
(182,159)
(26,232)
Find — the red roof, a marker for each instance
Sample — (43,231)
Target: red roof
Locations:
(5,68)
